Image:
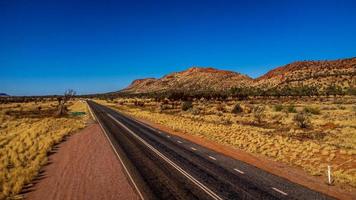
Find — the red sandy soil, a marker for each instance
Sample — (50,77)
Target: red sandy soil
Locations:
(85,167)
(291,173)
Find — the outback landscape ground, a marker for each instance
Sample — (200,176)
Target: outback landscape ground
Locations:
(269,128)
(28,131)
(302,115)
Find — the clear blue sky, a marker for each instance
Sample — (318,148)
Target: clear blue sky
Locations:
(101,46)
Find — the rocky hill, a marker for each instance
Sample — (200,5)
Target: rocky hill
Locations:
(319,74)
(194,78)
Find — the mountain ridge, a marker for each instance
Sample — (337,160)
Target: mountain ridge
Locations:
(319,74)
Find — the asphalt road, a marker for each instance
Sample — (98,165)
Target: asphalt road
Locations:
(163,166)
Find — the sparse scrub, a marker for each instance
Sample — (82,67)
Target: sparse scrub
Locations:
(302,120)
(237,109)
(312,110)
(259,114)
(221,107)
(332,137)
(25,141)
(278,107)
(291,109)
(186,105)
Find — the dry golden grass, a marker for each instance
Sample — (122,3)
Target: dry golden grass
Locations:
(331,139)
(27,134)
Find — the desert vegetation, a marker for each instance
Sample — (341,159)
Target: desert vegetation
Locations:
(28,131)
(309,133)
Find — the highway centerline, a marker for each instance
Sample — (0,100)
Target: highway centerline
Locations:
(280,191)
(211,157)
(186,174)
(241,172)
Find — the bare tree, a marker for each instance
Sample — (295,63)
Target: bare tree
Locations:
(68,95)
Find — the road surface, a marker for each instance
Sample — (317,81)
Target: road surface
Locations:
(163,166)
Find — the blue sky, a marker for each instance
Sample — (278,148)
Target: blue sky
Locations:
(101,46)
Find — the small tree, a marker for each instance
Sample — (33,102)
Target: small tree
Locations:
(186,105)
(68,95)
(237,109)
(302,120)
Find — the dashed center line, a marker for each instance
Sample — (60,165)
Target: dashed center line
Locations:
(192,148)
(168,136)
(280,191)
(179,141)
(211,157)
(241,172)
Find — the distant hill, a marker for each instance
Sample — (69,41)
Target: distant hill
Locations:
(319,74)
(3,95)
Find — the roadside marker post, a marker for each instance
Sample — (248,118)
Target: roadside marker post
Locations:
(329,174)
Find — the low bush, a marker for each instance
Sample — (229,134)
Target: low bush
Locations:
(259,114)
(291,109)
(237,109)
(186,105)
(302,120)
(311,110)
(278,107)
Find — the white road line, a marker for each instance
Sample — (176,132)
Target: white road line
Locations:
(190,177)
(241,172)
(120,159)
(168,136)
(180,142)
(280,191)
(211,157)
(192,148)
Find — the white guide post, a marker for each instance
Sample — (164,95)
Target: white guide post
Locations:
(329,174)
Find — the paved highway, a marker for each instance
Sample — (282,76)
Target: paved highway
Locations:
(163,166)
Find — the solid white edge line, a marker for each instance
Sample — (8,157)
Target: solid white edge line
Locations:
(120,159)
(179,141)
(241,172)
(211,157)
(190,177)
(280,191)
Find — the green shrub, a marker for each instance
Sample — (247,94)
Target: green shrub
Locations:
(237,109)
(186,105)
(311,110)
(278,107)
(291,109)
(259,114)
(302,120)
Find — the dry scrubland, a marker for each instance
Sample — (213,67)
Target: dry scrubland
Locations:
(269,128)
(28,131)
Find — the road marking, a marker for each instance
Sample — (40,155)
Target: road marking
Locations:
(190,177)
(280,191)
(241,172)
(120,159)
(180,142)
(194,149)
(168,136)
(211,157)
